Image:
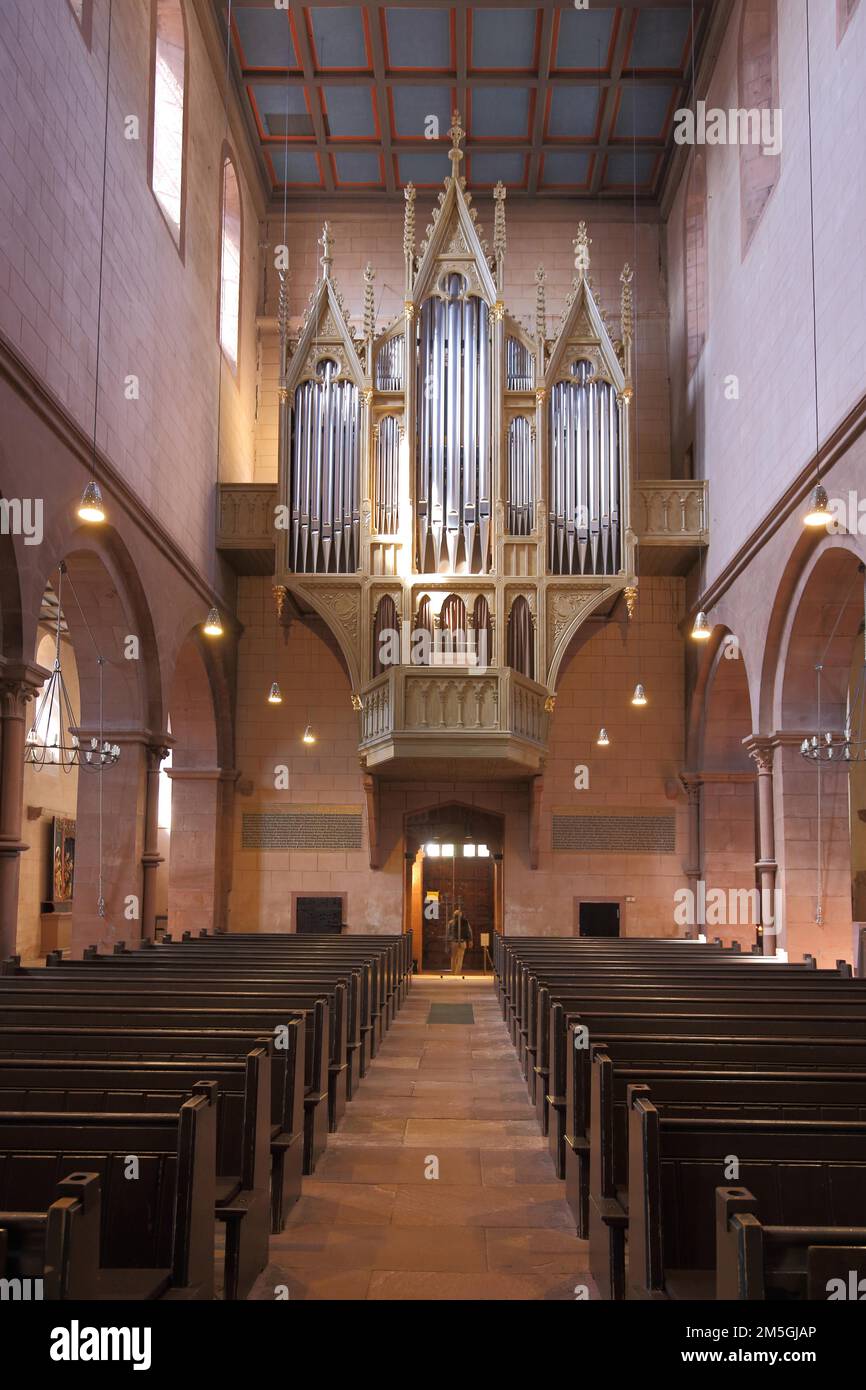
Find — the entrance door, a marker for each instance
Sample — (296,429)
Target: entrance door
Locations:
(598,919)
(456,879)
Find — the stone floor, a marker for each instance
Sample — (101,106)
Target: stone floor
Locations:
(493,1225)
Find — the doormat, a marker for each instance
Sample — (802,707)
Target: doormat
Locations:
(451,1013)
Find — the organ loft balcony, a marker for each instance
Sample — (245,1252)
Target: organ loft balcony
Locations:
(455,494)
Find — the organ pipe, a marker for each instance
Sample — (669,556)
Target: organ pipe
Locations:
(387,479)
(584,505)
(325,521)
(521,478)
(454,494)
(389,364)
(519,366)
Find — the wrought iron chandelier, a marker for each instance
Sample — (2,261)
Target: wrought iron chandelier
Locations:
(51,741)
(846,745)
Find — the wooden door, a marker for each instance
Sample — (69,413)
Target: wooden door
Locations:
(469,881)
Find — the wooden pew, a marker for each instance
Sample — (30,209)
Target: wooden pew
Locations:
(697,1016)
(156,1231)
(675,1164)
(179,988)
(756,1261)
(200,1049)
(243,1200)
(57,1247)
(804,1095)
(200,1019)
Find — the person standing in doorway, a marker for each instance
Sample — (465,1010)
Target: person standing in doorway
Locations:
(458,935)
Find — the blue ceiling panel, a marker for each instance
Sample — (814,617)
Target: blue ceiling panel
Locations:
(623,171)
(573,112)
(423,167)
(413,106)
(358,166)
(659,39)
(266,38)
(503,39)
(500,113)
(418,38)
(565,168)
(643,111)
(339,37)
(584,38)
(487,169)
(349,112)
(295,166)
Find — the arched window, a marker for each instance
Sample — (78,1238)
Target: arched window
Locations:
(452,632)
(483,632)
(422,647)
(844,14)
(521,638)
(386,635)
(760,161)
(696,260)
(167,112)
(230,262)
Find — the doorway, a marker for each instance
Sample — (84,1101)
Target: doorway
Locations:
(598,918)
(454,857)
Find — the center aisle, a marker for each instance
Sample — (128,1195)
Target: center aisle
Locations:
(494,1224)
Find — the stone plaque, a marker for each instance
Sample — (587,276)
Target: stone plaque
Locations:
(605,831)
(319,828)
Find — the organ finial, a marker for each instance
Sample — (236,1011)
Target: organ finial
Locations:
(369,302)
(627,307)
(326,241)
(457,133)
(540,306)
(499,221)
(409,235)
(283,320)
(581,243)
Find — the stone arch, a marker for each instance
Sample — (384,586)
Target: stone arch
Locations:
(817,620)
(202,785)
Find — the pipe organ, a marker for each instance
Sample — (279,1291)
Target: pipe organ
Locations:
(584,474)
(325,498)
(456,461)
(453,491)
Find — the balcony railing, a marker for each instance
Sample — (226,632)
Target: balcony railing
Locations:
(458,713)
(666,512)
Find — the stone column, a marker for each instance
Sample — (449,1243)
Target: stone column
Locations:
(19,683)
(693,786)
(760,750)
(151,858)
(197,882)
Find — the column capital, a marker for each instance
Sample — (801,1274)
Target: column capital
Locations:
(760,748)
(158,752)
(20,682)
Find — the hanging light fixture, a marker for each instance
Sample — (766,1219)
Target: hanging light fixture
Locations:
(701,630)
(846,745)
(213,626)
(818,512)
(639,696)
(90,508)
(275,697)
(50,741)
(309,736)
(603,741)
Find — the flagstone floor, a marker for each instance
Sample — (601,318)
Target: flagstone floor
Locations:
(494,1224)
